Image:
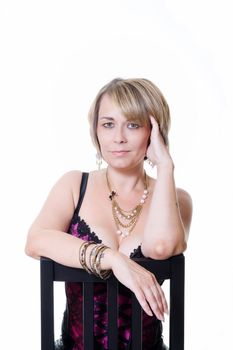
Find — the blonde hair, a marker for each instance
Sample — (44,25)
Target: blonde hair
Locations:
(138,99)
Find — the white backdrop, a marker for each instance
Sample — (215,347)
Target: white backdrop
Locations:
(54,57)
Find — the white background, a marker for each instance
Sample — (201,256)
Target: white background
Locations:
(54,57)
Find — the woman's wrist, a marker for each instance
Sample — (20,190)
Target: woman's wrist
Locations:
(96,258)
(107,259)
(167,166)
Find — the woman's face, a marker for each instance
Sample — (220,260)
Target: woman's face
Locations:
(123,143)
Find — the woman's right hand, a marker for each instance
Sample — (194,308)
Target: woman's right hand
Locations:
(141,282)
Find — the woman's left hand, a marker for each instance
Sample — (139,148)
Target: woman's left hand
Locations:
(157,151)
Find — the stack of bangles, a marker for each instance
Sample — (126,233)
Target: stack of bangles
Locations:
(95,257)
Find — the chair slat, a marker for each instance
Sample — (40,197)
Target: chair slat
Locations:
(112,313)
(136,332)
(88,312)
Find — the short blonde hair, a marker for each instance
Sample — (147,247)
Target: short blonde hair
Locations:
(138,99)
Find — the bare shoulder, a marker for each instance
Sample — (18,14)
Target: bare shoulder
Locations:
(71,181)
(183,196)
(72,175)
(186,207)
(60,203)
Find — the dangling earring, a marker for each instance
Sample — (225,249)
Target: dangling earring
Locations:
(150,163)
(98,160)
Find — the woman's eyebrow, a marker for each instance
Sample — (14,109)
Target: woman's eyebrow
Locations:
(107,118)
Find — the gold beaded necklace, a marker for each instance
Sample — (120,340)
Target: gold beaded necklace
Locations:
(126,220)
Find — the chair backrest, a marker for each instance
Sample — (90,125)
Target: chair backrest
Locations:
(172,269)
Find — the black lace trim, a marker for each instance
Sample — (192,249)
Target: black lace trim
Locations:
(137,253)
(84,229)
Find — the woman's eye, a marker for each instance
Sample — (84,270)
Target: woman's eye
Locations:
(133,126)
(108,125)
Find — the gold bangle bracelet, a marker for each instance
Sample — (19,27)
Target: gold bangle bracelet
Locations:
(104,274)
(82,255)
(94,259)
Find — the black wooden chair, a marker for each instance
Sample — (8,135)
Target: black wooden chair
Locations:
(172,269)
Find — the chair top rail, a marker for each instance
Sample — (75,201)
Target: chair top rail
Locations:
(161,269)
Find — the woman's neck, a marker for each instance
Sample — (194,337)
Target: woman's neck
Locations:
(127,180)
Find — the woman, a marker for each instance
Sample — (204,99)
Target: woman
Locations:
(119,211)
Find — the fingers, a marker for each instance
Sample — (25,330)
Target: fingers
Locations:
(152,299)
(154,123)
(142,301)
(163,300)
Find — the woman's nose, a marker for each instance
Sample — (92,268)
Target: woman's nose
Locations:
(119,136)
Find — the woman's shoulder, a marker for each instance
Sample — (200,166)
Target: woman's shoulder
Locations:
(70,182)
(71,177)
(186,206)
(183,195)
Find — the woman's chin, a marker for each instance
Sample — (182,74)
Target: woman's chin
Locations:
(122,163)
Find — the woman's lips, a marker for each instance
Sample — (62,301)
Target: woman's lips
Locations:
(119,153)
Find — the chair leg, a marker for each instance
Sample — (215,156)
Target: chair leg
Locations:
(177,303)
(47,307)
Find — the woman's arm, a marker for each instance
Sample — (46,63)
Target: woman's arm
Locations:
(48,234)
(170,213)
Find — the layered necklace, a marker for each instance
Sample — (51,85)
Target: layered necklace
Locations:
(126,220)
